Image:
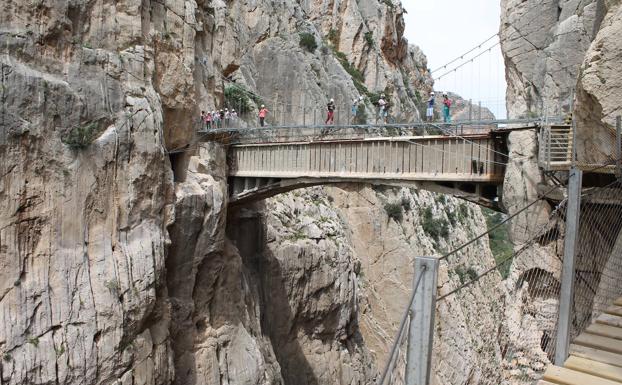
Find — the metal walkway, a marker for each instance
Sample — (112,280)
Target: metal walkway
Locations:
(471,166)
(595,356)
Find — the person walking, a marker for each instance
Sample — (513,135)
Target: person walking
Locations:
(234,118)
(382,108)
(355,107)
(330,112)
(208,120)
(446,108)
(203,120)
(429,113)
(215,119)
(227,117)
(262,115)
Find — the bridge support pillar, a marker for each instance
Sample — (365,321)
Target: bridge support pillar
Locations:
(566,300)
(421,328)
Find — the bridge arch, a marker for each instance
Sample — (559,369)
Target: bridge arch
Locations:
(471,167)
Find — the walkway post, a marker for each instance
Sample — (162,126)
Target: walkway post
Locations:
(470,110)
(619,144)
(421,328)
(566,295)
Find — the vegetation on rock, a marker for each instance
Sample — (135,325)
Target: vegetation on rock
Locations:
(307,41)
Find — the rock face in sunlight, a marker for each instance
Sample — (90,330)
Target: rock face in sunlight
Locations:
(554,51)
(115,267)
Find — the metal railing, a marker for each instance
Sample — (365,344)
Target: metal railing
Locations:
(556,147)
(503,318)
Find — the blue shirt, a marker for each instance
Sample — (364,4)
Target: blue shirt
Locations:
(431,102)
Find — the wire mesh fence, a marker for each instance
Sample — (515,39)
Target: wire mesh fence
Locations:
(499,294)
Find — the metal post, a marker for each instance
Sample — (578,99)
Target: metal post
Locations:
(421,328)
(470,109)
(304,110)
(566,295)
(619,144)
(479,113)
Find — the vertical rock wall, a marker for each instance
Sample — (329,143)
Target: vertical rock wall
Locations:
(114,263)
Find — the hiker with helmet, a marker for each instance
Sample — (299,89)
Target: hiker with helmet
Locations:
(446,107)
(330,109)
(382,108)
(355,106)
(262,115)
(429,113)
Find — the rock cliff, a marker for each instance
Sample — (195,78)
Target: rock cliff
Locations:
(557,53)
(115,265)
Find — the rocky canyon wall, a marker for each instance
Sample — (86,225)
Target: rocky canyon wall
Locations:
(559,53)
(115,265)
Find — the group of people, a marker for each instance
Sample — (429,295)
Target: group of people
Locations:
(429,114)
(219,119)
(226,118)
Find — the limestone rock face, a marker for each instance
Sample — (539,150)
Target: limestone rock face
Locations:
(85,197)
(357,292)
(544,43)
(114,263)
(599,92)
(360,51)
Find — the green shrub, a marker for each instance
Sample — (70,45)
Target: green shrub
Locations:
(307,41)
(499,240)
(81,136)
(34,341)
(394,211)
(437,228)
(236,96)
(369,38)
(465,275)
(333,37)
(357,76)
(406,204)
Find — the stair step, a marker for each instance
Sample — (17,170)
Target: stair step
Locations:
(563,376)
(596,355)
(594,368)
(615,310)
(605,331)
(608,319)
(599,342)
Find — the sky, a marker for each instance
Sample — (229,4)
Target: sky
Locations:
(445,30)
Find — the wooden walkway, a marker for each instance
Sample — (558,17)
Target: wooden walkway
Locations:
(595,356)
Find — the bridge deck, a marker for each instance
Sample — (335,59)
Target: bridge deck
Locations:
(428,158)
(596,355)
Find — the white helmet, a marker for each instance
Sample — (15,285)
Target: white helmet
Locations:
(432,93)
(444,93)
(262,106)
(360,97)
(332,100)
(232,110)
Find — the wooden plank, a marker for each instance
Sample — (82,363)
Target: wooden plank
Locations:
(615,310)
(605,331)
(599,342)
(608,319)
(594,368)
(542,382)
(596,355)
(618,302)
(563,376)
